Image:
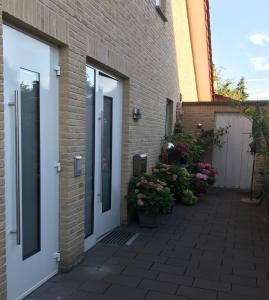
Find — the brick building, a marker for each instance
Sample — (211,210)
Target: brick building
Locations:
(85,85)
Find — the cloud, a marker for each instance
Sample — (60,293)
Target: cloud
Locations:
(259,39)
(257,79)
(262,95)
(260,63)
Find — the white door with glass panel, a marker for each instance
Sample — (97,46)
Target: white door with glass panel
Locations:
(103,154)
(31,154)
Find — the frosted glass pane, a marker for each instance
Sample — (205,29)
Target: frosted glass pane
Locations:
(30,162)
(107,154)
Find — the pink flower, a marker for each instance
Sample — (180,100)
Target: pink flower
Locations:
(152,184)
(206,172)
(181,147)
(201,176)
(165,157)
(140,196)
(140,202)
(215,171)
(174,177)
(201,165)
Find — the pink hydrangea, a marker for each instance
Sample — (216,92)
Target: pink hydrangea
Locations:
(174,177)
(140,202)
(201,165)
(201,176)
(181,147)
(165,157)
(215,171)
(206,172)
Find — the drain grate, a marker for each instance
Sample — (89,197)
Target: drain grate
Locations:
(120,238)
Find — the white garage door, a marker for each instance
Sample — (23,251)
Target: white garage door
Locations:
(234,160)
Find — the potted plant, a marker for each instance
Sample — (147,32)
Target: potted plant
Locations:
(149,197)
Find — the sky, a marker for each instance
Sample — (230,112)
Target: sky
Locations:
(240,42)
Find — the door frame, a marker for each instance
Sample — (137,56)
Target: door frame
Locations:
(91,240)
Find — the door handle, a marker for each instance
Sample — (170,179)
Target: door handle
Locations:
(102,153)
(17,167)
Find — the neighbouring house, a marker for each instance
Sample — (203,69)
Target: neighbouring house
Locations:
(194,53)
(85,85)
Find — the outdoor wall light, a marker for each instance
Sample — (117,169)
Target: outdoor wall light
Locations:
(199,125)
(136,114)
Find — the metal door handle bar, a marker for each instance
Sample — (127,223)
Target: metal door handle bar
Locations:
(17,167)
(102,154)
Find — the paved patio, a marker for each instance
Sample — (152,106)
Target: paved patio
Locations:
(218,249)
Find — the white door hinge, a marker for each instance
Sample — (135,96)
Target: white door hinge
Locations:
(58,167)
(57,256)
(57,69)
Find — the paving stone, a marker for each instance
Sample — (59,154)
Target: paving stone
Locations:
(182,280)
(130,281)
(117,291)
(181,262)
(78,295)
(151,258)
(197,253)
(95,286)
(240,280)
(212,285)
(160,286)
(198,293)
(160,296)
(250,291)
(168,269)
(233,296)
(263,284)
(111,269)
(131,271)
(130,262)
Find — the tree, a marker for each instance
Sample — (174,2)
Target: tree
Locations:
(229,87)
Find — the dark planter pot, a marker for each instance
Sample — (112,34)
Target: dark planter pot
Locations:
(147,220)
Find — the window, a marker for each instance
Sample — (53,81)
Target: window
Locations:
(161,8)
(169,117)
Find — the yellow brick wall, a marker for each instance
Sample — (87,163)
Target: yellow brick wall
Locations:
(128,38)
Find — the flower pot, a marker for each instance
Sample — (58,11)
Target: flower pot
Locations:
(147,220)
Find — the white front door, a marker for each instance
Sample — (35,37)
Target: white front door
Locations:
(103,173)
(234,160)
(31,152)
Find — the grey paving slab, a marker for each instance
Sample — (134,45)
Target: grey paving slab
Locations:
(215,250)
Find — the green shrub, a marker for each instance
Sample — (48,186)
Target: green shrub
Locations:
(150,195)
(186,149)
(176,178)
(188,198)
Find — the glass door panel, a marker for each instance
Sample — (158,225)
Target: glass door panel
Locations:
(90,150)
(30,161)
(107,153)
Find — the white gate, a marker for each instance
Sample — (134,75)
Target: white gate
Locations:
(234,160)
